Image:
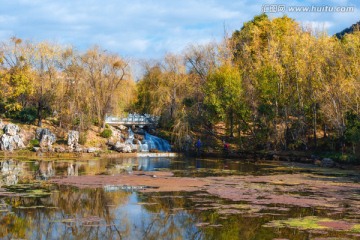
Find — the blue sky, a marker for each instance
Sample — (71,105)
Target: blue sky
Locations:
(148,28)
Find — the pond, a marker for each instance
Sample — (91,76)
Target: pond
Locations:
(230,199)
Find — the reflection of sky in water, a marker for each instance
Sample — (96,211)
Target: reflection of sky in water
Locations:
(118,212)
(151,164)
(147,225)
(133,220)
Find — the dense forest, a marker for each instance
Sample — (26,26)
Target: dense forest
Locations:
(272,85)
(40,80)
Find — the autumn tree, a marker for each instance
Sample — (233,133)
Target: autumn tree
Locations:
(223,90)
(16,75)
(48,78)
(104,73)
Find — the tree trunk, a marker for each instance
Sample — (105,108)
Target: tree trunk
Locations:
(231,122)
(314,127)
(39,113)
(101,124)
(354,148)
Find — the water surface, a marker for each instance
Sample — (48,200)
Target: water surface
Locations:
(39,210)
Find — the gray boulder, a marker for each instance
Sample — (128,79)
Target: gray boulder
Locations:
(122,147)
(11,129)
(78,149)
(10,143)
(36,149)
(60,150)
(127,149)
(73,139)
(119,145)
(45,137)
(5,143)
(2,125)
(92,150)
(327,162)
(11,139)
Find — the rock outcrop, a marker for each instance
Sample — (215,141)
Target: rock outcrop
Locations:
(11,139)
(327,162)
(11,129)
(73,140)
(122,147)
(60,149)
(92,150)
(45,137)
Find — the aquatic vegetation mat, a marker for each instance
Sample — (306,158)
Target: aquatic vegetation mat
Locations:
(315,223)
(34,190)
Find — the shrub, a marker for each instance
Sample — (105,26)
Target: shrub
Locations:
(55,121)
(95,122)
(76,121)
(106,133)
(27,115)
(35,143)
(82,138)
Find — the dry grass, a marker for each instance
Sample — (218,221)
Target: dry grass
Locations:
(94,139)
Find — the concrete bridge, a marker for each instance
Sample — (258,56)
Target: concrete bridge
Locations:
(133,119)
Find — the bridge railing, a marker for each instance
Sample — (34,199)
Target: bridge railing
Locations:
(134,119)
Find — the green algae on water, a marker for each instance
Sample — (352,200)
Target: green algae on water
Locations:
(315,223)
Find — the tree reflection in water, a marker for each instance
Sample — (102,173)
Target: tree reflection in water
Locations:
(95,214)
(72,213)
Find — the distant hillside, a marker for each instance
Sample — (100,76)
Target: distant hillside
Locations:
(354,27)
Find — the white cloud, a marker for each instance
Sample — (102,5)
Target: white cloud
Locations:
(144,28)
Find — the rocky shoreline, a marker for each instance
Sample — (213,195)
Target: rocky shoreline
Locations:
(15,139)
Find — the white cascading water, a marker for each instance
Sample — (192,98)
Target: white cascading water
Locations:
(150,142)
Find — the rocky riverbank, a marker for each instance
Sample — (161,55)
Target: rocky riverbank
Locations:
(52,139)
(44,142)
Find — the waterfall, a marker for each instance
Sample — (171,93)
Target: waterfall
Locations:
(157,143)
(149,142)
(130,140)
(144,146)
(131,134)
